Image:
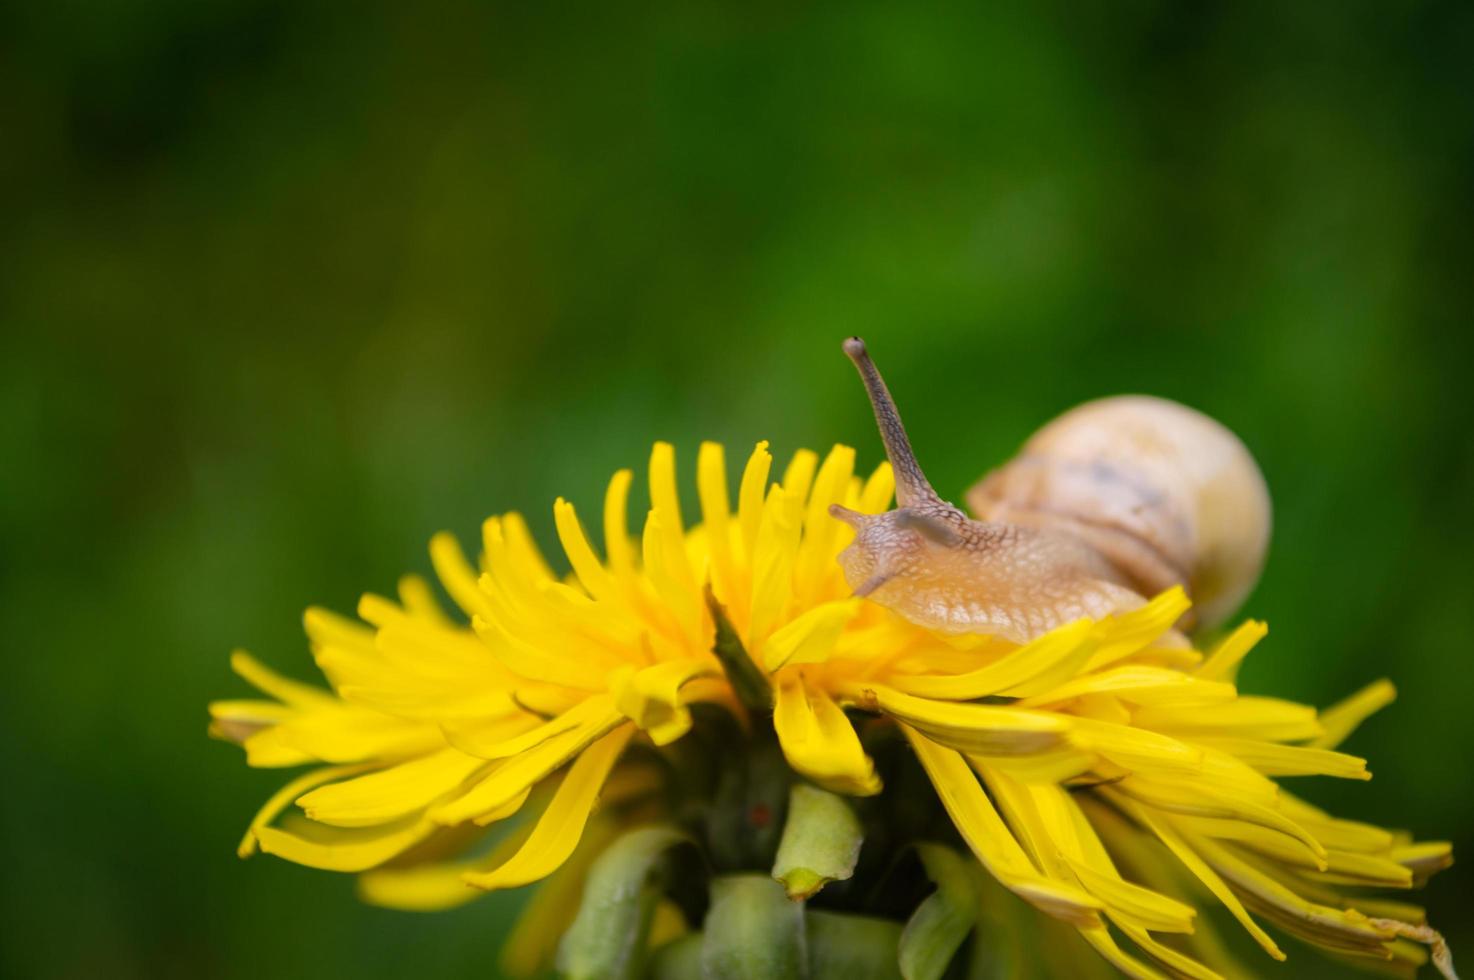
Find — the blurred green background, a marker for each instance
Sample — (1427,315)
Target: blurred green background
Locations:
(287,287)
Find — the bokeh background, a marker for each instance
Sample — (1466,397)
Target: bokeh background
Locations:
(288,286)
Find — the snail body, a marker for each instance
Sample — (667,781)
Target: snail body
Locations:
(1110,503)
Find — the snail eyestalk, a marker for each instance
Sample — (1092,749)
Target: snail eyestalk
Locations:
(912,486)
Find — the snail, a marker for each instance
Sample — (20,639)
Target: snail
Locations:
(1107,505)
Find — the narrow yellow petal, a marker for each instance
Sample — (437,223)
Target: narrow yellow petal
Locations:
(561,825)
(1274,759)
(816,566)
(976,728)
(651,697)
(582,713)
(798,476)
(819,741)
(665,501)
(751,494)
(1138,685)
(457,575)
(878,491)
(1340,720)
(586,565)
(1223,663)
(669,570)
(810,638)
(1061,835)
(1179,963)
(326,626)
(989,838)
(339,849)
(237,720)
(1204,798)
(1320,924)
(1060,653)
(616,528)
(1100,937)
(523,549)
(1204,873)
(268,681)
(513,776)
(420,603)
(711,487)
(283,798)
(1270,719)
(391,793)
(1126,633)
(772,567)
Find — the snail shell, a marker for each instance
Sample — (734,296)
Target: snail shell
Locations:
(1164,493)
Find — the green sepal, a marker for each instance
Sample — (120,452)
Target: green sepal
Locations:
(753,932)
(852,947)
(607,938)
(821,841)
(941,923)
(679,959)
(748,682)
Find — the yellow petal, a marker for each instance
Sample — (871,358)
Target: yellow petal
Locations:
(1065,845)
(750,496)
(976,728)
(1204,873)
(819,741)
(616,529)
(561,825)
(1203,798)
(716,514)
(268,681)
(798,476)
(876,495)
(586,565)
(666,501)
(822,537)
(511,777)
(1099,937)
(1052,658)
(391,793)
(1340,720)
(457,575)
(1273,759)
(420,602)
(435,886)
(283,798)
(586,710)
(810,638)
(1320,924)
(1123,634)
(1247,717)
(339,849)
(651,697)
(772,567)
(990,839)
(1223,663)
(1138,685)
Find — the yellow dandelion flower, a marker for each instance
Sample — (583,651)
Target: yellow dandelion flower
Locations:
(1102,770)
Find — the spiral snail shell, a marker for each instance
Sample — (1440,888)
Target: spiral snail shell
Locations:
(1107,505)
